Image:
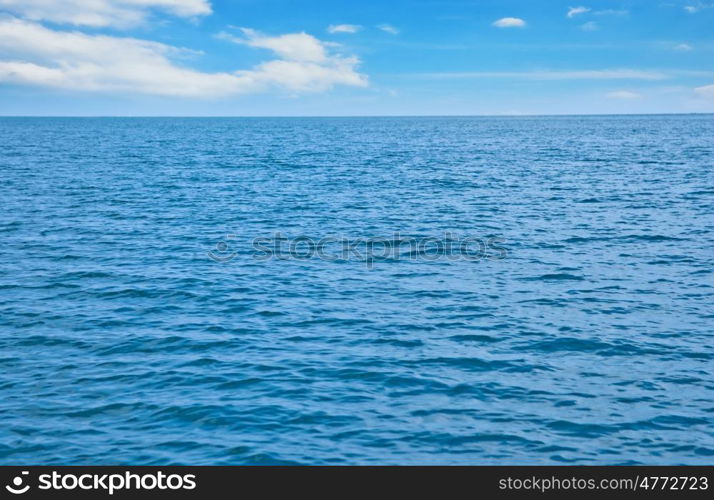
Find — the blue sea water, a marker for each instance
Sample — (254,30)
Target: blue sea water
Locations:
(123,342)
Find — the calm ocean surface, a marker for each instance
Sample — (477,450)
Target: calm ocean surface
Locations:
(122,342)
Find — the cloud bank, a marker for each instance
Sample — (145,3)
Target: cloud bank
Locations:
(36,55)
(707,91)
(606,74)
(102,13)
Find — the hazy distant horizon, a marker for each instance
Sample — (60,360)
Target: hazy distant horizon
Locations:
(366,116)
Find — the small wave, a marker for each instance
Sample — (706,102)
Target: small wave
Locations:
(555,277)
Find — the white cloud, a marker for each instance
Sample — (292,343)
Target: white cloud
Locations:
(36,55)
(294,46)
(343,28)
(388,28)
(683,47)
(699,6)
(605,74)
(623,95)
(590,26)
(102,13)
(509,22)
(706,91)
(576,11)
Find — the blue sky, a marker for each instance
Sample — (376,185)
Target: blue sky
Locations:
(339,57)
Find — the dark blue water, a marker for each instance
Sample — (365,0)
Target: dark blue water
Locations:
(121,341)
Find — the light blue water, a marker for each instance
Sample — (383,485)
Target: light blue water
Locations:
(590,343)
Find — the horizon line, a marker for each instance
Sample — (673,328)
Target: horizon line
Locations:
(523,115)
